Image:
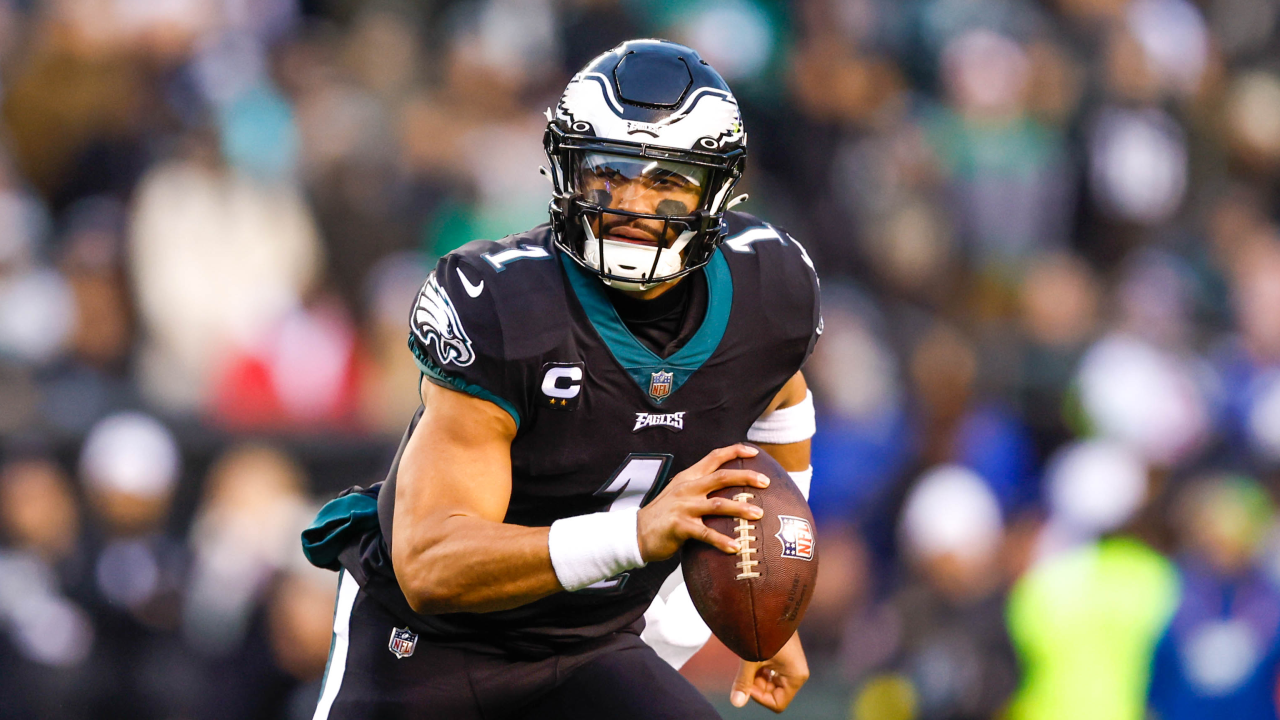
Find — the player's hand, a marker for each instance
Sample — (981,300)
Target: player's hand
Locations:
(774,682)
(676,514)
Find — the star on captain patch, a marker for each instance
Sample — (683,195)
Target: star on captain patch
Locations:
(660,384)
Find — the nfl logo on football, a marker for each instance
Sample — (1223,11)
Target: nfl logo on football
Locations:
(660,384)
(403,642)
(796,536)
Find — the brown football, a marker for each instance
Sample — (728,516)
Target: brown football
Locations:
(754,600)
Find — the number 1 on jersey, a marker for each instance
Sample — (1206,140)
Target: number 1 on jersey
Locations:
(639,480)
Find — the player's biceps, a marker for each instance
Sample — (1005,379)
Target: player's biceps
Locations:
(442,475)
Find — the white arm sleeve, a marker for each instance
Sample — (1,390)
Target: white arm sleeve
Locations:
(803,479)
(673,627)
(786,425)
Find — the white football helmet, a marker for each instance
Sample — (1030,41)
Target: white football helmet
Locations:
(645,146)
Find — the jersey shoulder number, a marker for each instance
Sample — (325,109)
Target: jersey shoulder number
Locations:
(781,272)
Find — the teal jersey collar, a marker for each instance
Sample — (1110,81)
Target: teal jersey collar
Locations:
(658,377)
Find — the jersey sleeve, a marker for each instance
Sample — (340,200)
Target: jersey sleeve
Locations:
(773,265)
(456,336)
(811,292)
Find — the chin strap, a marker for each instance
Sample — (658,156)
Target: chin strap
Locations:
(737,201)
(668,263)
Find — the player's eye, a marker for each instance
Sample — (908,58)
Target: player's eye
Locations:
(668,181)
(610,177)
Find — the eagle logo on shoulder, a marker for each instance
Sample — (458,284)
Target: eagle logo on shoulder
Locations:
(436,323)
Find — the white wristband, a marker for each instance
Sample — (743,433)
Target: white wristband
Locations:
(589,548)
(803,479)
(785,425)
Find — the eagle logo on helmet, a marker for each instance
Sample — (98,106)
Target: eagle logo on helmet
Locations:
(707,120)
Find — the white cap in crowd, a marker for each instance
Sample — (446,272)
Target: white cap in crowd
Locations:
(130,453)
(1095,486)
(951,510)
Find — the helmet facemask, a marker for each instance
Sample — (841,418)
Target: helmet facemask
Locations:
(638,216)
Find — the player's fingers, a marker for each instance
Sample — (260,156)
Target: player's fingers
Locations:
(720,456)
(783,695)
(773,689)
(729,478)
(727,508)
(765,698)
(705,534)
(743,685)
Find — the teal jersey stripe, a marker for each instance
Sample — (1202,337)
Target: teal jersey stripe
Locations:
(435,372)
(639,361)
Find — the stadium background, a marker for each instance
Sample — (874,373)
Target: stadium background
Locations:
(1049,405)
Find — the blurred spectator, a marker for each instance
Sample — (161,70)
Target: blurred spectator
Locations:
(300,630)
(862,442)
(1085,619)
(217,258)
(1060,302)
(943,632)
(92,377)
(301,371)
(36,304)
(957,425)
(259,618)
(1141,384)
(1248,360)
(129,466)
(244,533)
(1006,171)
(389,391)
(46,635)
(1221,654)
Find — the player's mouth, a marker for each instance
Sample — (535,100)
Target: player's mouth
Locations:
(635,236)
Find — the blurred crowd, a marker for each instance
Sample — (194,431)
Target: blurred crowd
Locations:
(1048,390)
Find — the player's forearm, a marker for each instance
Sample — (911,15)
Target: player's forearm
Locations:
(475,565)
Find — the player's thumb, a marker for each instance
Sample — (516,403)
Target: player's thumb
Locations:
(741,692)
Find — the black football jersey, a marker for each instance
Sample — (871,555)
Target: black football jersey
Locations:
(603,422)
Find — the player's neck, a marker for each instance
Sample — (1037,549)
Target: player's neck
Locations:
(633,306)
(650,293)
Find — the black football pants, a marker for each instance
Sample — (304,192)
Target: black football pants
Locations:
(616,678)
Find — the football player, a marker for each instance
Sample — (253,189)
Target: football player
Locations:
(582,384)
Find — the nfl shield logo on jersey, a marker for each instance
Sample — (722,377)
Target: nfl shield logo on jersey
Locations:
(403,642)
(660,384)
(796,536)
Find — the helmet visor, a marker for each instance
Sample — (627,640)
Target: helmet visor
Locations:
(641,185)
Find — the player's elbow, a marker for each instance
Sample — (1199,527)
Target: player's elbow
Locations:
(428,602)
(423,577)
(429,592)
